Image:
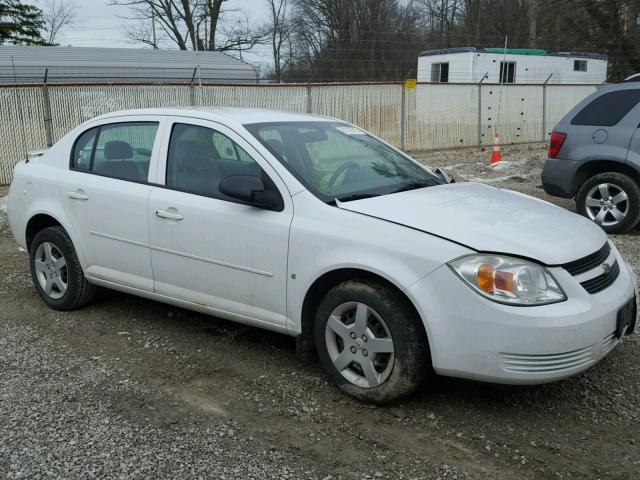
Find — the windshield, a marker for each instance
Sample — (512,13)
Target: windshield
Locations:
(339,161)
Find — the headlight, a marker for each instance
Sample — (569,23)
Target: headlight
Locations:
(508,280)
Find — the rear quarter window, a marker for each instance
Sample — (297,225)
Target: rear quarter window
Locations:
(608,109)
(83,149)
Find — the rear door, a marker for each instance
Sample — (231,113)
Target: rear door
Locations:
(211,250)
(105,193)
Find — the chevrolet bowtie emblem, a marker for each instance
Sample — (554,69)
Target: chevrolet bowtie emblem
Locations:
(606,267)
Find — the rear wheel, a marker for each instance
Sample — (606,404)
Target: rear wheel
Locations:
(56,271)
(612,200)
(370,342)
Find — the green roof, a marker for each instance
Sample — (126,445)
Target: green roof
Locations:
(517,51)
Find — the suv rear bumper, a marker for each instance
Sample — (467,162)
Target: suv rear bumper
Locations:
(558,175)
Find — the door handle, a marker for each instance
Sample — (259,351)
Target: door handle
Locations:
(77,195)
(169,214)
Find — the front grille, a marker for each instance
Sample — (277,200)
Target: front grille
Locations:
(589,262)
(603,281)
(557,362)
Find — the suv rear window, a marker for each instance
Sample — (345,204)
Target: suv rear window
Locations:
(608,109)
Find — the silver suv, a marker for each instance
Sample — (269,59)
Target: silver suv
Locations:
(594,156)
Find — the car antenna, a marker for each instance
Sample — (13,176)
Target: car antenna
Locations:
(15,82)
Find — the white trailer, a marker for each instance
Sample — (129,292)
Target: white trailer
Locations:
(497,65)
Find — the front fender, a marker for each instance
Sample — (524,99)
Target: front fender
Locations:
(326,238)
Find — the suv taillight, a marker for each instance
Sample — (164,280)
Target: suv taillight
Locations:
(555,144)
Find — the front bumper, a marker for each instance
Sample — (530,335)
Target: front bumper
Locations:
(473,337)
(558,176)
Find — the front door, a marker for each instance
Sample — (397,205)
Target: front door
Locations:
(105,193)
(206,248)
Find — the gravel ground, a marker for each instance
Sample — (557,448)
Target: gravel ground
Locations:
(130,388)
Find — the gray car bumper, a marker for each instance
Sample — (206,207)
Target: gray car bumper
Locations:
(558,175)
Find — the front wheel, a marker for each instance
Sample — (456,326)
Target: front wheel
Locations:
(56,271)
(370,342)
(612,200)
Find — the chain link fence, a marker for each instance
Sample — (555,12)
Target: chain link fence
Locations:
(429,116)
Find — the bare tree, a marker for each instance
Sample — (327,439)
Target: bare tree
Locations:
(189,24)
(57,14)
(279,34)
(239,36)
(441,16)
(472,19)
(212,14)
(352,40)
(533,23)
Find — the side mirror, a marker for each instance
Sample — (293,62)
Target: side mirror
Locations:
(442,175)
(250,189)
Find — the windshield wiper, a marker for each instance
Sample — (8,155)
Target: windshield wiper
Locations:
(409,186)
(415,185)
(356,196)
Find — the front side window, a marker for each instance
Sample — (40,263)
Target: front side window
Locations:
(119,150)
(200,158)
(228,149)
(339,161)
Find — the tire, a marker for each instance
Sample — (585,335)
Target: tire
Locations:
(596,200)
(391,325)
(56,271)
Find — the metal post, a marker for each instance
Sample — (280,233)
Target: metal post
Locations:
(480,108)
(199,85)
(153,30)
(46,104)
(544,108)
(309,99)
(403,114)
(192,93)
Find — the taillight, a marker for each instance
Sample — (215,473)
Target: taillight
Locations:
(555,144)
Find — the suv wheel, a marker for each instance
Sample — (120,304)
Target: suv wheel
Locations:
(612,200)
(56,271)
(370,342)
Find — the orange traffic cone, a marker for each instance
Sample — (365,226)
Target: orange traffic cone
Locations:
(496,154)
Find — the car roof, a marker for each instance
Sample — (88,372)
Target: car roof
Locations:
(242,116)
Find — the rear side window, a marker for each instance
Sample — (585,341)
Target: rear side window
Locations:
(119,150)
(608,109)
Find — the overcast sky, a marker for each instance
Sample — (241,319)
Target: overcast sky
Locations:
(99,24)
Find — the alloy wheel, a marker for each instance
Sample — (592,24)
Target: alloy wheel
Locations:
(359,344)
(607,204)
(51,270)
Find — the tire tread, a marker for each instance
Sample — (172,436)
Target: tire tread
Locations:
(633,192)
(413,360)
(80,294)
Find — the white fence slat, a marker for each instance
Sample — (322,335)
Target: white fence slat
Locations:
(436,115)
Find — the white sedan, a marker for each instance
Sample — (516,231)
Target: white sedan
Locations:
(312,227)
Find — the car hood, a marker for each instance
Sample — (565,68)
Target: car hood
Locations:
(489,219)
